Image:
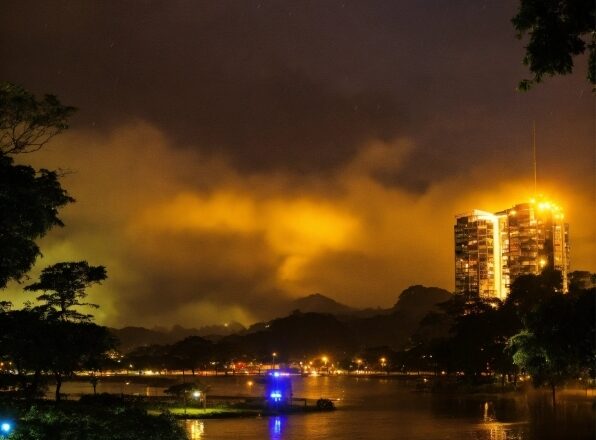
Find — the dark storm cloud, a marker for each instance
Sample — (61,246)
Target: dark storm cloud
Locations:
(216,76)
(299,85)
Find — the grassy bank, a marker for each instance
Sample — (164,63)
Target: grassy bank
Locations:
(45,420)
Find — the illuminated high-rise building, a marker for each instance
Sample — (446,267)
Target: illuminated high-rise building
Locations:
(492,250)
(478,254)
(478,266)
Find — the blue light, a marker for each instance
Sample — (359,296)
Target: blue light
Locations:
(275,396)
(276,428)
(5,427)
(276,374)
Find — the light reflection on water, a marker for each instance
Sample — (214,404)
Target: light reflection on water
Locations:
(275,427)
(195,429)
(389,410)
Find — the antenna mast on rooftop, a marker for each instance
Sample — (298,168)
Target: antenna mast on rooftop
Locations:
(534,157)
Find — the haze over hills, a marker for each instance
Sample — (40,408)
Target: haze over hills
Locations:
(319,313)
(131,337)
(317,303)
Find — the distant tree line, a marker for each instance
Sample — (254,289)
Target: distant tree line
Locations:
(538,330)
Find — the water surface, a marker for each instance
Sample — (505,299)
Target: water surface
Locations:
(388,409)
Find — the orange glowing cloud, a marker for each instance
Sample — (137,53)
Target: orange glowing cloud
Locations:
(188,239)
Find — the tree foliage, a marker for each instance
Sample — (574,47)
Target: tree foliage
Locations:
(529,291)
(96,423)
(75,346)
(559,30)
(38,345)
(538,329)
(29,199)
(29,203)
(54,337)
(28,123)
(557,341)
(190,353)
(64,286)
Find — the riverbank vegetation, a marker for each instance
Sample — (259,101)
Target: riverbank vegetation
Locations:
(78,420)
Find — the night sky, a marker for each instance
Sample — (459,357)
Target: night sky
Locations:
(228,155)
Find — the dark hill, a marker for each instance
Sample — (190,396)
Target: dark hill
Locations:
(132,337)
(419,300)
(317,303)
(318,324)
(295,336)
(395,327)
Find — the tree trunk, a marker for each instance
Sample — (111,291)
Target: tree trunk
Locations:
(553,388)
(35,383)
(58,386)
(204,400)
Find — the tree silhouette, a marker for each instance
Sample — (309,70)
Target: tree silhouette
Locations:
(559,30)
(557,342)
(64,286)
(28,123)
(29,199)
(29,203)
(74,346)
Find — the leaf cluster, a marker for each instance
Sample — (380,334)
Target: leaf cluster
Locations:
(29,203)
(64,286)
(28,123)
(96,423)
(558,31)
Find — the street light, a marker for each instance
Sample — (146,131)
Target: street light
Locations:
(359,364)
(273,356)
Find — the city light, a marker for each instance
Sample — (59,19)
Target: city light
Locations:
(490,249)
(196,394)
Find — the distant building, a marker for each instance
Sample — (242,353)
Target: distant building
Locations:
(492,250)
